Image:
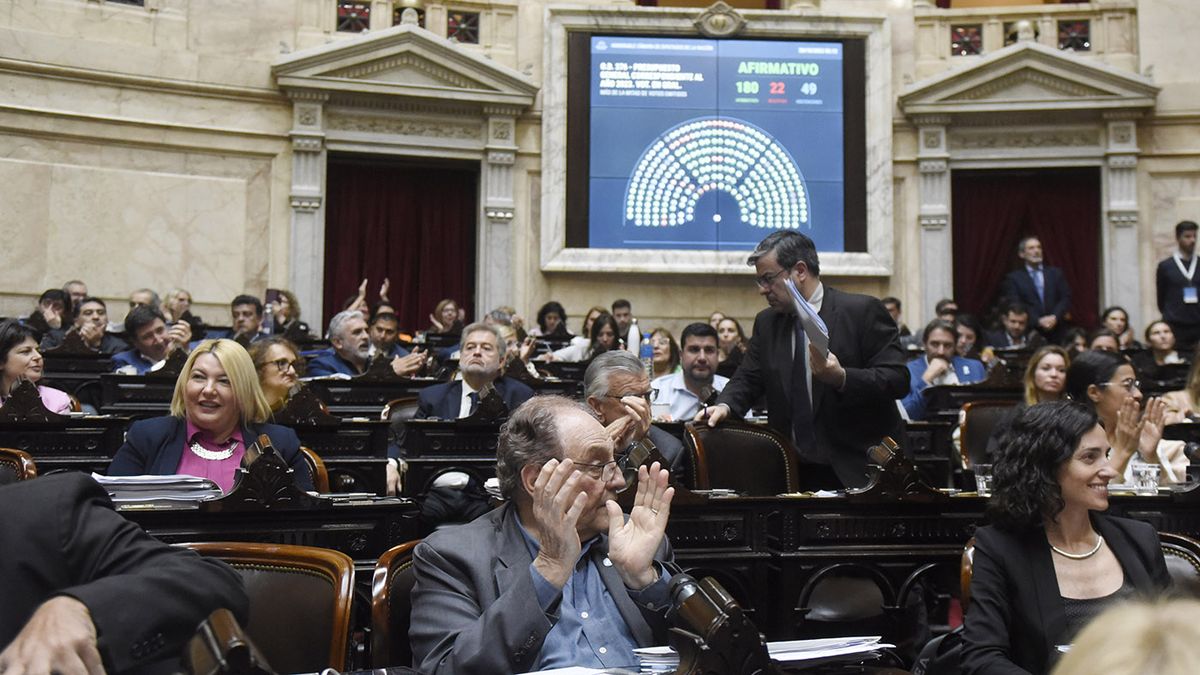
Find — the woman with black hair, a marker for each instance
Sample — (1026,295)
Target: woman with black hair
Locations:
(1051,559)
(1106,382)
(551,320)
(20,359)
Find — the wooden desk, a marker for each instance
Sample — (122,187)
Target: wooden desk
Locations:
(354,398)
(434,446)
(354,452)
(136,395)
(77,444)
(764,549)
(362,530)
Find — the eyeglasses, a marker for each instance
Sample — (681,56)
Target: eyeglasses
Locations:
(282,364)
(1127,385)
(649,395)
(604,472)
(627,464)
(765,280)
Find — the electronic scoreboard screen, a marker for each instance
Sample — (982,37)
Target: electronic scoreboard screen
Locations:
(713,144)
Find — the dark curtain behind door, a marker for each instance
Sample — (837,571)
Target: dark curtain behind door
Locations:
(412,224)
(993,210)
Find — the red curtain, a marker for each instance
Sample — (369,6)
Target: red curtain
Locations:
(993,210)
(412,224)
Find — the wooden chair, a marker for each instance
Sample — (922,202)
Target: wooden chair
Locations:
(391,606)
(16,465)
(300,599)
(966,569)
(399,409)
(750,458)
(316,467)
(1183,559)
(980,419)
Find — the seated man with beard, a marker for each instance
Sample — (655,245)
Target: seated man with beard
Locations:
(351,347)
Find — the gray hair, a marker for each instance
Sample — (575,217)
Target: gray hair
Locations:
(530,436)
(595,380)
(339,321)
(790,248)
(479,327)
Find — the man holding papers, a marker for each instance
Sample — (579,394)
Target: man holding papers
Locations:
(833,404)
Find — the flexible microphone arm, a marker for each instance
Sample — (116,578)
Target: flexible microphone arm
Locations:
(711,633)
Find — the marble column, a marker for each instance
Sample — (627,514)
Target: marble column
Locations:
(493,284)
(937,260)
(307,199)
(1122,276)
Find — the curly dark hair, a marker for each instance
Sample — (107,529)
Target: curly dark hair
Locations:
(1025,487)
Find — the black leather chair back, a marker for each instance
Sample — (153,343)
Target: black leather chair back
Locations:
(16,465)
(750,458)
(980,419)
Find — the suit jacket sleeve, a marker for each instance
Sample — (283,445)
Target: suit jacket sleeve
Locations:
(884,372)
(914,402)
(135,455)
(145,598)
(987,639)
(451,633)
(746,385)
(1162,286)
(1060,308)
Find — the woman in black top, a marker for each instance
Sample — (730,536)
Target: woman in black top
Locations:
(1051,559)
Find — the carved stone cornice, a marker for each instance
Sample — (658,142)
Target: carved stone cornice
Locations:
(1123,218)
(933,166)
(995,138)
(399,126)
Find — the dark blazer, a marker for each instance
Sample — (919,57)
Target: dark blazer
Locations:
(155,447)
(1018,285)
(474,607)
(999,338)
(864,337)
(60,536)
(441,401)
(1169,283)
(1016,618)
(330,363)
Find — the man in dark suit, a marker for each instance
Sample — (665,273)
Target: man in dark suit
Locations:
(1016,333)
(1040,288)
(1178,288)
(480,354)
(556,577)
(85,590)
(834,407)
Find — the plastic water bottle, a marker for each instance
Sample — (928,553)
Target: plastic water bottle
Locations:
(268,321)
(647,355)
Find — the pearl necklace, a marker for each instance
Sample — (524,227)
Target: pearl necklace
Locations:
(1080,556)
(213,455)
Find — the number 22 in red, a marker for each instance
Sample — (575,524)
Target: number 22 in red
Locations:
(777,87)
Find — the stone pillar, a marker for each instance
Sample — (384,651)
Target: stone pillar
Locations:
(494,280)
(1122,275)
(307,198)
(937,260)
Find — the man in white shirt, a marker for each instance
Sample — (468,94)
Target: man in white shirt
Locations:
(687,391)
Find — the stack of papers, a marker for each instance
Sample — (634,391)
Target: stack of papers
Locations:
(161,490)
(665,660)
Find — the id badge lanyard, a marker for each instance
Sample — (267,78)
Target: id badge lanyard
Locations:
(1189,292)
